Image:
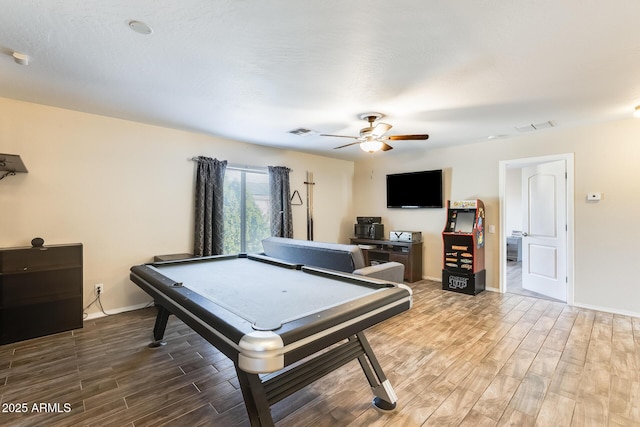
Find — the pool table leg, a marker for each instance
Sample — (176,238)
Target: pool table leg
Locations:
(385,397)
(161,325)
(255,399)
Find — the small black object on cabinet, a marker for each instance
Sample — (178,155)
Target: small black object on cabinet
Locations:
(37,242)
(40,291)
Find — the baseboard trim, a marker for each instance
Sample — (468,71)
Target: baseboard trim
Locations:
(100,314)
(607,309)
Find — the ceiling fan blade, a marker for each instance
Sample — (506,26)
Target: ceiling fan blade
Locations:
(407,137)
(346,145)
(340,136)
(380,129)
(386,147)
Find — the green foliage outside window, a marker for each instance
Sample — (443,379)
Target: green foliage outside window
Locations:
(256,212)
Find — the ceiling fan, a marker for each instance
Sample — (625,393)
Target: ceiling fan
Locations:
(372,138)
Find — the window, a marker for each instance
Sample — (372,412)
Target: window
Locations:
(246,209)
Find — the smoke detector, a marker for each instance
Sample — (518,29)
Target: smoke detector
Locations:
(139,27)
(20,58)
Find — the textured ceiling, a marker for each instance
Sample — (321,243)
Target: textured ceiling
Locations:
(252,70)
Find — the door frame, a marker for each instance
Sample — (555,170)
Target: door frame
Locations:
(530,161)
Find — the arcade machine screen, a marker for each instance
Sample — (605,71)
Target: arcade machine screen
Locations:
(464,222)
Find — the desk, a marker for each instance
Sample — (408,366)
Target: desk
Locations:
(407,253)
(267,315)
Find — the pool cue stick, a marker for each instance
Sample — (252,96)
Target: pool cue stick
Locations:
(309,183)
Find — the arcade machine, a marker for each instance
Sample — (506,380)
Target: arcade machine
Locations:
(463,236)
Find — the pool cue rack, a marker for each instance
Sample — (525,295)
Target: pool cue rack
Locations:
(309,183)
(463,259)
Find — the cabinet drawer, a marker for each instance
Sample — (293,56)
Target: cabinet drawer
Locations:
(33,259)
(36,320)
(41,286)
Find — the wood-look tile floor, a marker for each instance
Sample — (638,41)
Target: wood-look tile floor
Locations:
(514,282)
(453,359)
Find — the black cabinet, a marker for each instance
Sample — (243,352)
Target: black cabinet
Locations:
(40,291)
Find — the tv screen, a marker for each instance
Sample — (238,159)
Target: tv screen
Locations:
(415,190)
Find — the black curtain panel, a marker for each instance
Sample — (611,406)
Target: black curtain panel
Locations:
(209,201)
(281,218)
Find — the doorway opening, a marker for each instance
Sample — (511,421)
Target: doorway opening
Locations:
(536,226)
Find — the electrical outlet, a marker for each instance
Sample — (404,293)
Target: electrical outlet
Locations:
(99,288)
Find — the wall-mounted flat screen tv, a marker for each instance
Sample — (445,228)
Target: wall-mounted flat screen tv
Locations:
(415,190)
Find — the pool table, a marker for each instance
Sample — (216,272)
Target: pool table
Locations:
(267,316)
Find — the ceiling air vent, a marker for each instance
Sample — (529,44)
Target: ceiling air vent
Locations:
(535,126)
(303,132)
(543,125)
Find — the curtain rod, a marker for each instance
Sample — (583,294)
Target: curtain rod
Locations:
(240,167)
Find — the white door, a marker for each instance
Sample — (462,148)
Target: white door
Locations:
(544,241)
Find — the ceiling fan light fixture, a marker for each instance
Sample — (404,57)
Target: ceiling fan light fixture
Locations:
(636,111)
(380,129)
(372,138)
(371,145)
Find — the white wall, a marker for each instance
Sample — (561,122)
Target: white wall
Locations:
(606,236)
(513,196)
(125,190)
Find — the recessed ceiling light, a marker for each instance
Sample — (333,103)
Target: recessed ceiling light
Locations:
(140,27)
